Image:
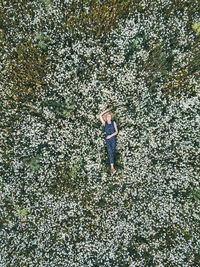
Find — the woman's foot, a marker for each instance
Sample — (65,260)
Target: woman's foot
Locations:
(113,170)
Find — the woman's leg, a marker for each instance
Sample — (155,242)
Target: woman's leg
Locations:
(113,147)
(110,153)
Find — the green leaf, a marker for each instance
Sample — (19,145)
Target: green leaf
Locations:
(196,27)
(197,194)
(22,212)
(42,45)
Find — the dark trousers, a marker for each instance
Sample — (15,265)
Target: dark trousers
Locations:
(111,146)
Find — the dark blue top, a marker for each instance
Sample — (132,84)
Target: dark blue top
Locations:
(109,129)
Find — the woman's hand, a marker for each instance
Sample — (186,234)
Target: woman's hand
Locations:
(107,110)
(108,137)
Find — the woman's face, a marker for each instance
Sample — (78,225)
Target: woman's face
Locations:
(108,117)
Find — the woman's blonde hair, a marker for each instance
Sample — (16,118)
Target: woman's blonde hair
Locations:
(108,113)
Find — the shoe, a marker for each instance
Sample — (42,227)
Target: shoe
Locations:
(113,170)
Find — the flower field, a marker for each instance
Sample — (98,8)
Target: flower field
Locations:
(62,64)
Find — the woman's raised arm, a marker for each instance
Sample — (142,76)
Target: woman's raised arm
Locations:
(100,115)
